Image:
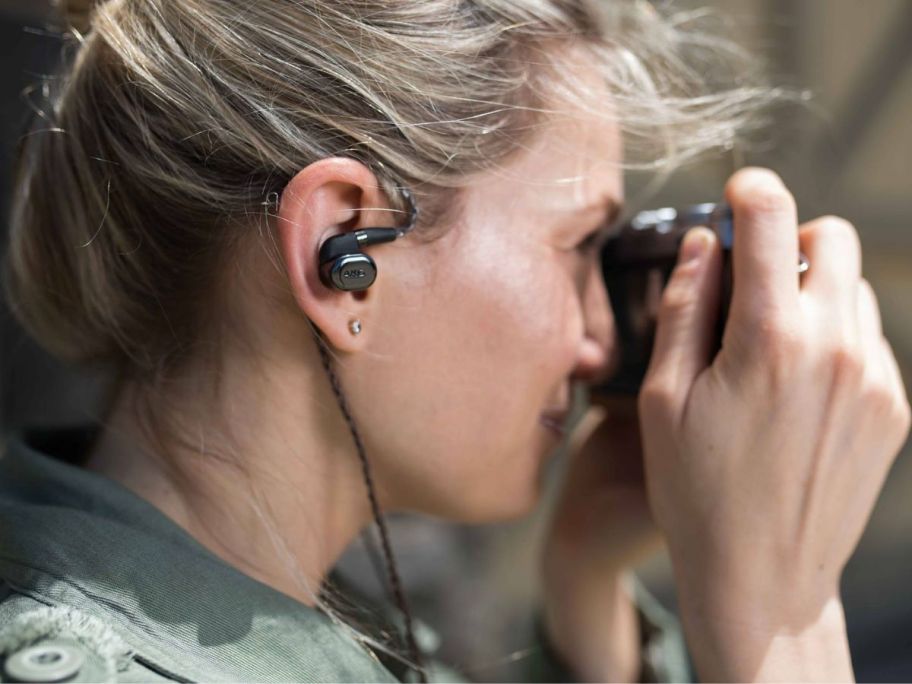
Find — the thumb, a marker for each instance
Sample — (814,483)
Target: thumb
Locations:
(685,329)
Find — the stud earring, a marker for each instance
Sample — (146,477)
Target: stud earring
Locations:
(354,327)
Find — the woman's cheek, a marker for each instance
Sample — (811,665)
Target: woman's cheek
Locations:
(567,324)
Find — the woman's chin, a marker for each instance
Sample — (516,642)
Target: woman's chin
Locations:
(504,504)
(515,497)
(510,491)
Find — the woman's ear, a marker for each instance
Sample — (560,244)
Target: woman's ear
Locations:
(327,198)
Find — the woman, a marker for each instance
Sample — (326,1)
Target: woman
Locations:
(169,225)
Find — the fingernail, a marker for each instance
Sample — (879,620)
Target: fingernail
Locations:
(696,244)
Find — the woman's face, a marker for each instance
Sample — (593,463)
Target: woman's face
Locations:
(479,333)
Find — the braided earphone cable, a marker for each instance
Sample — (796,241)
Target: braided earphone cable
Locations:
(391,568)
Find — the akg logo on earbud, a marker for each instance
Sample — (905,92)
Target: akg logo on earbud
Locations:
(354,273)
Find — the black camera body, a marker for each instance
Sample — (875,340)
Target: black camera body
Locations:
(636,264)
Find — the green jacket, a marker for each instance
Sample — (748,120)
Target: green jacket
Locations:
(96,584)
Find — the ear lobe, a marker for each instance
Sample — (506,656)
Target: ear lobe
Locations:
(328,197)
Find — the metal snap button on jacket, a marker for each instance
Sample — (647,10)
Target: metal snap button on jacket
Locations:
(47,661)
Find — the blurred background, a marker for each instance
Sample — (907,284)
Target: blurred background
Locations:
(849,153)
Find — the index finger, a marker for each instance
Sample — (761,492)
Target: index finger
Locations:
(765,245)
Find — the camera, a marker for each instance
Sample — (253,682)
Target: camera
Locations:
(637,262)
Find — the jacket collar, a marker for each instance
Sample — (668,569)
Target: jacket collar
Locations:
(72,537)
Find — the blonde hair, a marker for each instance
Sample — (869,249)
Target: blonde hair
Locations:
(177,123)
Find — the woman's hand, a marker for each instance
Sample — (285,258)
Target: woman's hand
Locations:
(602,525)
(763,464)
(602,518)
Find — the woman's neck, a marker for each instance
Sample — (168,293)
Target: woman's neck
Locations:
(264,477)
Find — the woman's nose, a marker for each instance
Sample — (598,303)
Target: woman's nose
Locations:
(595,356)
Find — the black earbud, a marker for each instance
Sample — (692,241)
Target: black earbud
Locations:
(342,263)
(344,266)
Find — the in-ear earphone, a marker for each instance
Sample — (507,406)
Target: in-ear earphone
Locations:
(342,263)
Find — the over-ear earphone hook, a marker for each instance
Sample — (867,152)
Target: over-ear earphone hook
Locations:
(412,209)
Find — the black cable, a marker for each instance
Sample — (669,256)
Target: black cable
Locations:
(391,568)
